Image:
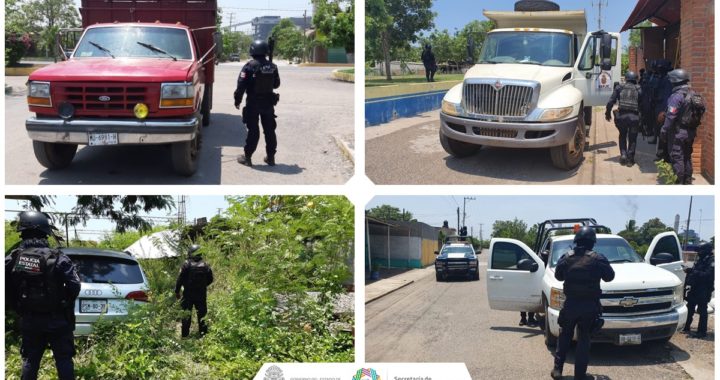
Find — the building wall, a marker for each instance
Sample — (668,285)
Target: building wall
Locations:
(697,33)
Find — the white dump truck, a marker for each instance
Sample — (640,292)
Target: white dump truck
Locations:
(538,76)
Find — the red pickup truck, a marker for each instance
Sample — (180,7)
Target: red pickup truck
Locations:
(141,73)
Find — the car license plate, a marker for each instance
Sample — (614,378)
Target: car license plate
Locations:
(630,339)
(102,138)
(93,306)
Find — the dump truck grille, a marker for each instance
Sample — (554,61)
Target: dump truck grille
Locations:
(115,99)
(497,100)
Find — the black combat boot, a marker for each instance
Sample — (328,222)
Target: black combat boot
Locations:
(270,160)
(245,160)
(623,160)
(556,373)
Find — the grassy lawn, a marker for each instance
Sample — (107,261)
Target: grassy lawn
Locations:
(348,71)
(373,81)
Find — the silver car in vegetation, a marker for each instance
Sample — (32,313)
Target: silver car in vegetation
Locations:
(110,281)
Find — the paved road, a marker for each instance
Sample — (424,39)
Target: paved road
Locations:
(408,151)
(313,108)
(429,321)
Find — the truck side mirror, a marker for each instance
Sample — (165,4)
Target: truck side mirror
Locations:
(528,265)
(606,46)
(436,253)
(661,258)
(217,40)
(606,64)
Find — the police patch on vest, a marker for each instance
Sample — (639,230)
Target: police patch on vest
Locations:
(28,264)
(672,110)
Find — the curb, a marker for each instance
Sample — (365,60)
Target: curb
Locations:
(391,291)
(344,77)
(22,71)
(348,152)
(311,64)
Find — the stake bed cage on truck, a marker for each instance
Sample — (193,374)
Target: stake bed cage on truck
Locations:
(141,73)
(644,302)
(538,77)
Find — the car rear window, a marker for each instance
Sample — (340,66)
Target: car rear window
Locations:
(104,270)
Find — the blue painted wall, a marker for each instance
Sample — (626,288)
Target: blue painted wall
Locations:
(383,110)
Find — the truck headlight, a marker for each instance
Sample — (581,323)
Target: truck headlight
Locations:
(450,108)
(678,295)
(39,94)
(174,95)
(551,114)
(473,263)
(557,298)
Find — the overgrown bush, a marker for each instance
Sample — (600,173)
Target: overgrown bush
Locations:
(262,250)
(16,45)
(666,174)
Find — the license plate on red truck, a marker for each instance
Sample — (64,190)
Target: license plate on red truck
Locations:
(102,138)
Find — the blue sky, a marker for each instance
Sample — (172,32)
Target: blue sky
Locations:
(196,206)
(456,14)
(611,211)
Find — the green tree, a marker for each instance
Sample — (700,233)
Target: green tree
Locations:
(123,210)
(635,38)
(289,39)
(334,22)
(387,212)
(235,42)
(46,17)
(392,25)
(514,229)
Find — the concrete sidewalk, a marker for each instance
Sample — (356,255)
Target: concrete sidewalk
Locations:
(383,287)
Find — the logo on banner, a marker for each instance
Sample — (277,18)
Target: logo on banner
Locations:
(366,374)
(274,373)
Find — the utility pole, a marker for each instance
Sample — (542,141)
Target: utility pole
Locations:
(481,234)
(305,38)
(687,227)
(458,217)
(465,199)
(600,6)
(231,23)
(471,231)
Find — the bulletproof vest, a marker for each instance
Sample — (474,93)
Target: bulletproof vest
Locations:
(198,272)
(33,275)
(582,279)
(692,111)
(264,78)
(629,98)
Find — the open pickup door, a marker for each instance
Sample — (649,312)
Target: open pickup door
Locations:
(514,276)
(665,252)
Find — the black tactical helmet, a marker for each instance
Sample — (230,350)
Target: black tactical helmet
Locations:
(259,48)
(585,237)
(678,76)
(630,76)
(705,248)
(428,47)
(34,221)
(193,249)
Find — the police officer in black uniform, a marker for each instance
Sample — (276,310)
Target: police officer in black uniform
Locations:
(581,269)
(428,60)
(662,88)
(41,284)
(701,279)
(627,122)
(679,137)
(258,78)
(648,108)
(194,278)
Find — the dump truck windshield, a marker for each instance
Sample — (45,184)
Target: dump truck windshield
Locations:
(538,48)
(135,42)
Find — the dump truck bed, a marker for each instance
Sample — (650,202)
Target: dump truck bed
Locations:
(574,21)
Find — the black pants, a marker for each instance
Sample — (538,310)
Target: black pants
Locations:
(526,316)
(680,148)
(200,304)
(628,126)
(430,72)
(580,313)
(702,310)
(34,343)
(266,115)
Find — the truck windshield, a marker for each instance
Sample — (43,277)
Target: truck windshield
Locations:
(466,250)
(538,48)
(616,250)
(132,41)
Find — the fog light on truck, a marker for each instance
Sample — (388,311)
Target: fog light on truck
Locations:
(449,108)
(557,298)
(556,113)
(66,110)
(141,111)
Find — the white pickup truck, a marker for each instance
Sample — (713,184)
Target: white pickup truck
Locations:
(538,77)
(644,302)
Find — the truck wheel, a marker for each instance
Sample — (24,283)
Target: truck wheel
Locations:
(456,148)
(535,5)
(476,277)
(550,339)
(205,107)
(54,156)
(438,278)
(568,156)
(185,156)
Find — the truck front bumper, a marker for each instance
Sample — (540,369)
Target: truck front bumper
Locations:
(508,134)
(129,131)
(651,327)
